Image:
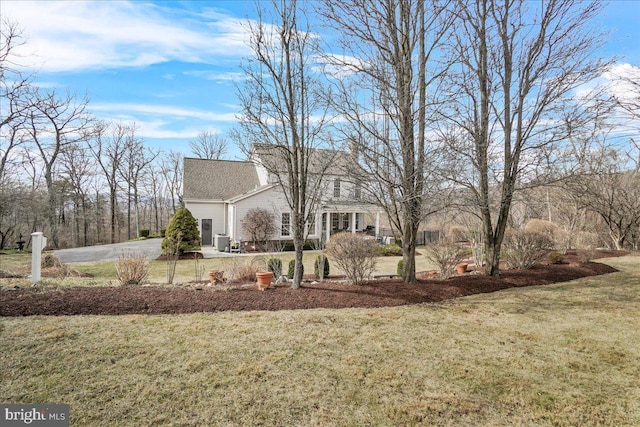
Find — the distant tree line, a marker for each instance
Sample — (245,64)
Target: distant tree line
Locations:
(80,180)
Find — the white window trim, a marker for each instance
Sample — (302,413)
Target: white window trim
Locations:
(282,224)
(312,228)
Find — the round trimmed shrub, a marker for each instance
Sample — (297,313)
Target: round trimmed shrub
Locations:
(292,267)
(556,258)
(182,233)
(392,249)
(400,268)
(316,266)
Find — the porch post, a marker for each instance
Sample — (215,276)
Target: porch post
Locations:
(353,223)
(377,223)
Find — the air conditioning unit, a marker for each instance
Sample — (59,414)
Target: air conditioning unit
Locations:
(221,242)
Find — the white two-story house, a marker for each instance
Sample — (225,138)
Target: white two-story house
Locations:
(219,193)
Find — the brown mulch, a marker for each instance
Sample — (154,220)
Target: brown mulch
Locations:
(379,293)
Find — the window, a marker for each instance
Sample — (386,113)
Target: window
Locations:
(335,221)
(358,191)
(311,224)
(286,224)
(345,221)
(357,221)
(336,187)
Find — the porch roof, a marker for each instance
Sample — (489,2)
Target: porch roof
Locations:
(349,207)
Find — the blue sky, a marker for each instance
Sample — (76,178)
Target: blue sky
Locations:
(171,66)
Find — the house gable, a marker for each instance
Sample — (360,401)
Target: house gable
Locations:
(321,162)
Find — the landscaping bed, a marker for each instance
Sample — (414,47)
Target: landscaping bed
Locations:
(328,294)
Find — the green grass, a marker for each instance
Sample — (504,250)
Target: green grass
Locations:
(560,355)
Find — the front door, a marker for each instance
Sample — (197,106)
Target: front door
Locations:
(206,232)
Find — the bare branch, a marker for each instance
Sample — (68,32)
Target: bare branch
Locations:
(209,145)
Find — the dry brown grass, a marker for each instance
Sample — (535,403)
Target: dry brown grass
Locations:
(104,273)
(559,355)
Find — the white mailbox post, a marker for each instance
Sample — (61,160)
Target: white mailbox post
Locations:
(38,243)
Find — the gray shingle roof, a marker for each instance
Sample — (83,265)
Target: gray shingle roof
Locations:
(218,179)
(332,162)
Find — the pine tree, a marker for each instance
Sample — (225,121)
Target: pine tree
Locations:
(183,230)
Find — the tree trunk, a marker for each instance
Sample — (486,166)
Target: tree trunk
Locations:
(136,210)
(52,205)
(492,257)
(297,272)
(85,222)
(155,210)
(129,212)
(298,245)
(409,252)
(76,222)
(112,206)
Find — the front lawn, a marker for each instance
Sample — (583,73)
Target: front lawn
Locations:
(559,355)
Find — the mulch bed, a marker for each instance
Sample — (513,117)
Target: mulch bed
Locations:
(329,294)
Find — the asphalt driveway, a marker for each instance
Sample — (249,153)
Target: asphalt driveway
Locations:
(149,248)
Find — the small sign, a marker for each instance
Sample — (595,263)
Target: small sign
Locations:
(45,415)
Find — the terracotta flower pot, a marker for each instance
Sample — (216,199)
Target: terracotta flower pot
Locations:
(216,276)
(462,268)
(264,279)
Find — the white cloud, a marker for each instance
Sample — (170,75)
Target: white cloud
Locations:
(615,83)
(163,111)
(158,129)
(620,77)
(217,76)
(163,121)
(77,35)
(339,66)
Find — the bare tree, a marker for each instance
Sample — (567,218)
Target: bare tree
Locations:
(209,145)
(108,148)
(135,161)
(14,86)
(259,224)
(172,170)
(77,168)
(387,84)
(511,109)
(12,136)
(283,107)
(609,186)
(155,186)
(56,123)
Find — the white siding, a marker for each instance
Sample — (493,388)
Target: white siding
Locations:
(263,175)
(272,200)
(208,210)
(347,188)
